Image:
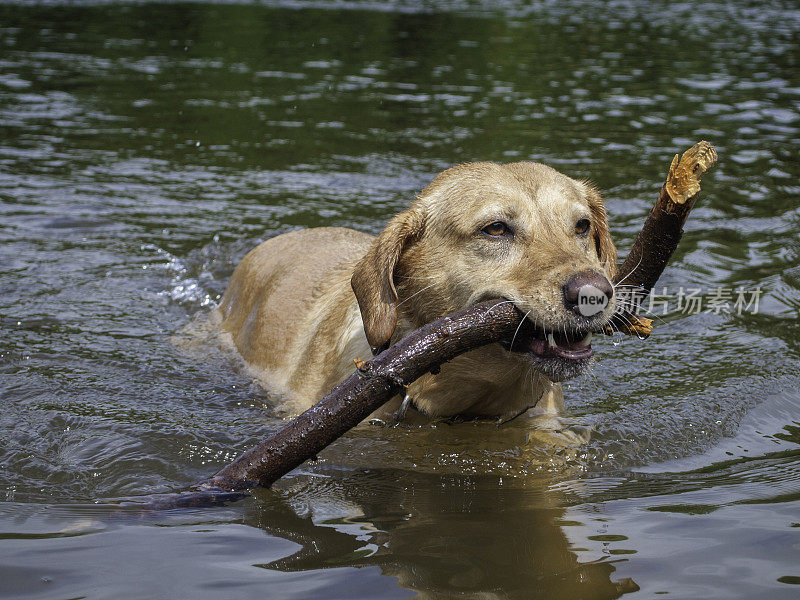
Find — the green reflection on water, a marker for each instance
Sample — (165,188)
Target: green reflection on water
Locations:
(144,148)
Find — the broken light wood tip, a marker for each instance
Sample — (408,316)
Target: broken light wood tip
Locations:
(683,181)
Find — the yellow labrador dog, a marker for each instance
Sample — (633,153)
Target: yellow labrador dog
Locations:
(302,306)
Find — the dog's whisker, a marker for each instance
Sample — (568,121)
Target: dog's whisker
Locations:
(427,277)
(632,271)
(627,304)
(630,309)
(656,317)
(415,294)
(514,337)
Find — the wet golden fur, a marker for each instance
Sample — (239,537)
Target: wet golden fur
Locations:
(302,306)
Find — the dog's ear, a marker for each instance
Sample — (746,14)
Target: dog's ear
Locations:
(373,277)
(606,250)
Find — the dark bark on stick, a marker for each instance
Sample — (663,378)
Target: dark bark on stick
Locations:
(663,228)
(375,382)
(660,234)
(371,386)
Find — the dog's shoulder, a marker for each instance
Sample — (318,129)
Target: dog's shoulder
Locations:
(302,245)
(282,283)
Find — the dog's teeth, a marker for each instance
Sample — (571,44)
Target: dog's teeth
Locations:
(551,340)
(586,341)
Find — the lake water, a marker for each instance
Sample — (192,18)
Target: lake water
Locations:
(145,147)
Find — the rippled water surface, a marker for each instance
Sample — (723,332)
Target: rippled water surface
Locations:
(144,148)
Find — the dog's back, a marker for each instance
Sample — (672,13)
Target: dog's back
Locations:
(284,294)
(302,306)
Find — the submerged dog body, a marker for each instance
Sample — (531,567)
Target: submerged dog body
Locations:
(301,307)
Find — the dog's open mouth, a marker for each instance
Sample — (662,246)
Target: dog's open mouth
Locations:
(565,344)
(559,354)
(569,345)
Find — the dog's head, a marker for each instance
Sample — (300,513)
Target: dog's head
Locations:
(521,231)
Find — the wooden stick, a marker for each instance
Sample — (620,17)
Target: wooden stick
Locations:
(373,384)
(425,349)
(380,379)
(663,228)
(662,232)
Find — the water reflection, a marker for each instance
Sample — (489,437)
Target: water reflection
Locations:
(441,536)
(144,148)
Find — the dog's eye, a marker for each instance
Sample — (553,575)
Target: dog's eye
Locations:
(496,229)
(582,226)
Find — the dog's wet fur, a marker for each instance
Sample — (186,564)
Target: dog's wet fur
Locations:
(302,306)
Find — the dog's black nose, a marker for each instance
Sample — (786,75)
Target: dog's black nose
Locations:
(587,293)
